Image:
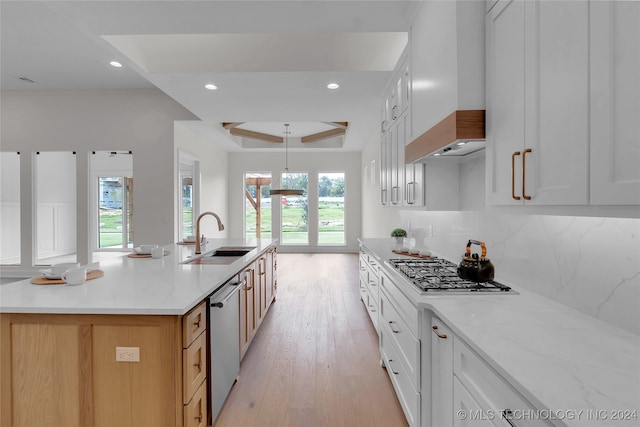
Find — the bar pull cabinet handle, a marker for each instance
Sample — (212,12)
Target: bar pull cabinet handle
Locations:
(438,333)
(391,327)
(391,367)
(524,162)
(196,323)
(383,196)
(411,185)
(507,415)
(394,194)
(513,175)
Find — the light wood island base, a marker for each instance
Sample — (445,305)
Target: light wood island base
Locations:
(61,370)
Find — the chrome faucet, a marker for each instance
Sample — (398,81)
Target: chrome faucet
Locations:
(198,238)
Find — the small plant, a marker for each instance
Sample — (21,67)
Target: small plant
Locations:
(398,232)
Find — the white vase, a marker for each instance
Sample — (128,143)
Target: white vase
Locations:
(398,242)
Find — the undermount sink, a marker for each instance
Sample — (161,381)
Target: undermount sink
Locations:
(221,255)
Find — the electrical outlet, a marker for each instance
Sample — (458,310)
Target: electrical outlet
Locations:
(127,354)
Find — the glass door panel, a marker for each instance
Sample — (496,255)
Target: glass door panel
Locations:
(257,205)
(331,208)
(114,212)
(294,218)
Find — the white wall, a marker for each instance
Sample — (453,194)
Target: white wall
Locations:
(587,263)
(85,121)
(312,163)
(214,191)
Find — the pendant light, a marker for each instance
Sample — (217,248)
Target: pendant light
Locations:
(285,191)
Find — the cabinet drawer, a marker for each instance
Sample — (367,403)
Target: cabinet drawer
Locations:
(407,395)
(195,413)
(488,388)
(194,366)
(194,323)
(402,304)
(463,403)
(397,330)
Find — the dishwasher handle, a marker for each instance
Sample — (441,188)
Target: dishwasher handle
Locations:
(220,302)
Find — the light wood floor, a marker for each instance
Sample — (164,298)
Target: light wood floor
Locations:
(315,359)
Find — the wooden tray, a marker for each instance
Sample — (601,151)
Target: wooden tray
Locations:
(185,243)
(409,254)
(40,280)
(135,255)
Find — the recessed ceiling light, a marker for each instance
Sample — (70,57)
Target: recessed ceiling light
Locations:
(115,64)
(333,86)
(211,86)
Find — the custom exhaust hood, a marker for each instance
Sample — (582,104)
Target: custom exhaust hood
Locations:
(460,133)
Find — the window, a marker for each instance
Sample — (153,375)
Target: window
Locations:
(114,212)
(294,219)
(257,205)
(55,198)
(331,209)
(10,208)
(112,200)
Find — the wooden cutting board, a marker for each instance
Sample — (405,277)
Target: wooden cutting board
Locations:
(413,255)
(41,280)
(135,255)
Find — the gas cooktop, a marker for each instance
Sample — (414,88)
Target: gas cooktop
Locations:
(439,275)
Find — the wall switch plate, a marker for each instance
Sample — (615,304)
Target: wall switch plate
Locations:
(127,354)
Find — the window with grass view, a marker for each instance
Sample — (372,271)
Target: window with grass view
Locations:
(294,219)
(114,212)
(257,205)
(331,209)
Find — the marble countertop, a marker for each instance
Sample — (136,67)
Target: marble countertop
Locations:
(162,286)
(583,371)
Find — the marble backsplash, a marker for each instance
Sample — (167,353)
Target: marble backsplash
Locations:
(590,264)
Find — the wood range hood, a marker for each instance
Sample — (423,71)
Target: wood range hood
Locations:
(460,133)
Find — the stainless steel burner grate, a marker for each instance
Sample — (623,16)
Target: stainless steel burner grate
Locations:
(437,274)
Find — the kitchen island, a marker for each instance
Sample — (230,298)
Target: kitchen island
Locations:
(60,343)
(480,359)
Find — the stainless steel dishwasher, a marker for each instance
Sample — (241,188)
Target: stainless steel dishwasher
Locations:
(224,341)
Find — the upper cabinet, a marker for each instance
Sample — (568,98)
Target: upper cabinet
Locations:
(562,103)
(615,102)
(447,62)
(401,185)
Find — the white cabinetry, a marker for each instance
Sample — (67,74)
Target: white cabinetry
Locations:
(441,374)
(550,114)
(369,284)
(537,110)
(400,184)
(399,347)
(615,102)
(477,386)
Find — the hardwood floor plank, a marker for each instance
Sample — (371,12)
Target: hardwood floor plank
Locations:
(314,362)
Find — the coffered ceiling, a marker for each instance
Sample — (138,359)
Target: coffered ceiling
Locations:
(271,61)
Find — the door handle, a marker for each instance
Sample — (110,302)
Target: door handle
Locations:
(524,163)
(513,175)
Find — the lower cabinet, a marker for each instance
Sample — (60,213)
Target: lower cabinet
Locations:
(93,370)
(498,401)
(194,366)
(400,349)
(441,374)
(258,281)
(369,284)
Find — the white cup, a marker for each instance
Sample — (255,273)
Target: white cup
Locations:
(157,253)
(58,269)
(75,276)
(146,249)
